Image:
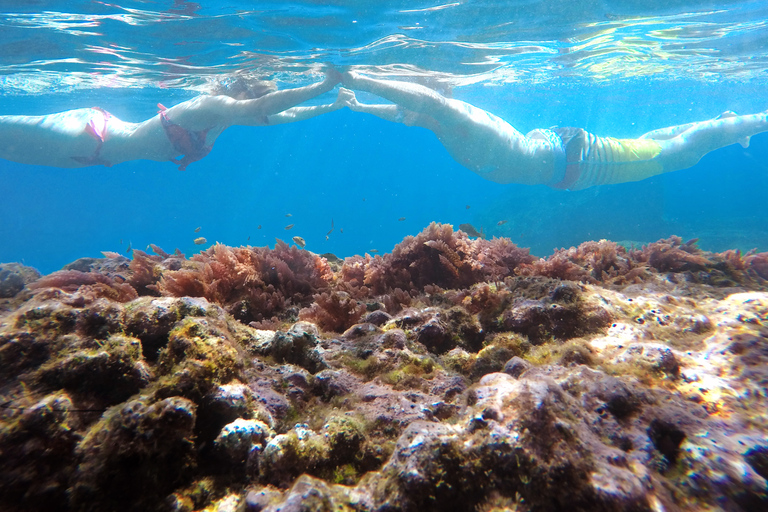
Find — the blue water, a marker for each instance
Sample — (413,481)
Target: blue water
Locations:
(614,68)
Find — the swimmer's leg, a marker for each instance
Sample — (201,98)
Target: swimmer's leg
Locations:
(674,131)
(667,133)
(687,148)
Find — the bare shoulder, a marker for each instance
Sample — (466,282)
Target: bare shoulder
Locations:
(202,112)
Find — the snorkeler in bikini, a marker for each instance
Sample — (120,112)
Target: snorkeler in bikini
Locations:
(563,158)
(182,134)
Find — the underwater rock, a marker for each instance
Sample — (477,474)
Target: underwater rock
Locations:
(151,319)
(14,277)
(377,317)
(288,455)
(306,494)
(563,320)
(38,448)
(144,437)
(334,383)
(239,438)
(112,372)
(299,346)
(516,366)
(626,388)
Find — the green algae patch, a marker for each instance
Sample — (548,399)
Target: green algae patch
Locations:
(154,439)
(491,358)
(195,344)
(111,372)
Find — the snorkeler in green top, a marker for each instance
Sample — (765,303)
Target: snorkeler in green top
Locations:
(564,158)
(182,134)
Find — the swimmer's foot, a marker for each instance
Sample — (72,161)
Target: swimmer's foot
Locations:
(727,114)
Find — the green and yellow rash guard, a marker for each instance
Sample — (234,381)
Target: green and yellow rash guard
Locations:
(591,160)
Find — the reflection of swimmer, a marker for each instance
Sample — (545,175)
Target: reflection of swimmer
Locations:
(183,133)
(564,158)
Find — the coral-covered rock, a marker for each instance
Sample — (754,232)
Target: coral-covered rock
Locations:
(38,447)
(299,346)
(286,456)
(452,374)
(562,316)
(112,372)
(306,494)
(154,440)
(241,437)
(14,277)
(333,383)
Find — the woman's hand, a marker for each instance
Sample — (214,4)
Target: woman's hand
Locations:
(346,98)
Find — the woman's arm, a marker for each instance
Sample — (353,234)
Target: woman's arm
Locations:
(392,113)
(278,101)
(254,112)
(203,112)
(303,113)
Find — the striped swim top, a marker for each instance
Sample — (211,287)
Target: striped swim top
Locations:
(591,160)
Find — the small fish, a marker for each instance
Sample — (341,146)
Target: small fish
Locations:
(501,222)
(470,230)
(128,249)
(401,219)
(288,215)
(197,229)
(121,241)
(110,255)
(299,241)
(468,207)
(341,230)
(259,227)
(363,199)
(289,226)
(327,237)
(374,251)
(329,232)
(249,237)
(200,241)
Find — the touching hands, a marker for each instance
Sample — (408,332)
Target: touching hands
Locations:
(332,75)
(346,98)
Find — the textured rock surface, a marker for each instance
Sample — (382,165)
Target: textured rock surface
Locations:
(531,394)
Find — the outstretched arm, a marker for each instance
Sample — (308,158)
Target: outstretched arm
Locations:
(303,113)
(205,111)
(273,103)
(392,113)
(411,97)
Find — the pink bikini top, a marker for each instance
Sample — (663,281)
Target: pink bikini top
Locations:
(189,143)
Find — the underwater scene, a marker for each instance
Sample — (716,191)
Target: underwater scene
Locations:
(481,255)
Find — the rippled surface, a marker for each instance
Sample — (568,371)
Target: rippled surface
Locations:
(60,46)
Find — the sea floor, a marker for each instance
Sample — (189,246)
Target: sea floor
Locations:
(453,373)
